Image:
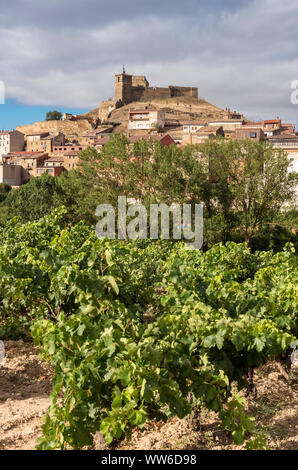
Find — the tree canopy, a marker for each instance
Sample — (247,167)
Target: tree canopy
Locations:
(34,199)
(53,116)
(251,183)
(243,186)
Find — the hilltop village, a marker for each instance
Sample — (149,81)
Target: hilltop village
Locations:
(174,115)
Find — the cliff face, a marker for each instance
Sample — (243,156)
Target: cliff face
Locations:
(73,130)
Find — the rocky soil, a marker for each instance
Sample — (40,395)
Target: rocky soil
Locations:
(73,130)
(25,385)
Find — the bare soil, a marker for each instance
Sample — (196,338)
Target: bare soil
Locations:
(25,386)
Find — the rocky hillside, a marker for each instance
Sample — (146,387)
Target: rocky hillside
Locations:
(178,110)
(72,129)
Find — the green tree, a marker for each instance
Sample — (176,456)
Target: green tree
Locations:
(77,196)
(242,185)
(157,127)
(4,190)
(33,200)
(145,171)
(53,116)
(251,183)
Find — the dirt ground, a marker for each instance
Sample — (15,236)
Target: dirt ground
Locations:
(25,385)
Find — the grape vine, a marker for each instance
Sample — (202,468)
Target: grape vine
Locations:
(134,329)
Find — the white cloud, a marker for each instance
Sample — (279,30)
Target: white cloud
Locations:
(243,57)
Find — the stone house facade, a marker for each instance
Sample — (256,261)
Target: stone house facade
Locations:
(249,133)
(146,118)
(44,141)
(11,141)
(29,161)
(10,174)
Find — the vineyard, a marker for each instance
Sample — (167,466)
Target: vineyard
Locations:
(144,331)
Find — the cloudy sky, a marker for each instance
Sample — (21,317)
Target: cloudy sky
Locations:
(63,54)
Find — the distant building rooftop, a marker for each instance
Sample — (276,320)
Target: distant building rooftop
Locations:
(142,110)
(272,121)
(41,134)
(28,155)
(253,124)
(50,137)
(208,129)
(136,138)
(55,159)
(284,136)
(71,153)
(156,137)
(232,121)
(194,123)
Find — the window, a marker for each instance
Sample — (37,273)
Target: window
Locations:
(253,135)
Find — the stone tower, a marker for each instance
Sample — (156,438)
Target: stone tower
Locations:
(123,88)
(130,88)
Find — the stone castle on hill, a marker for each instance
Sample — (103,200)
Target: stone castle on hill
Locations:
(131,88)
